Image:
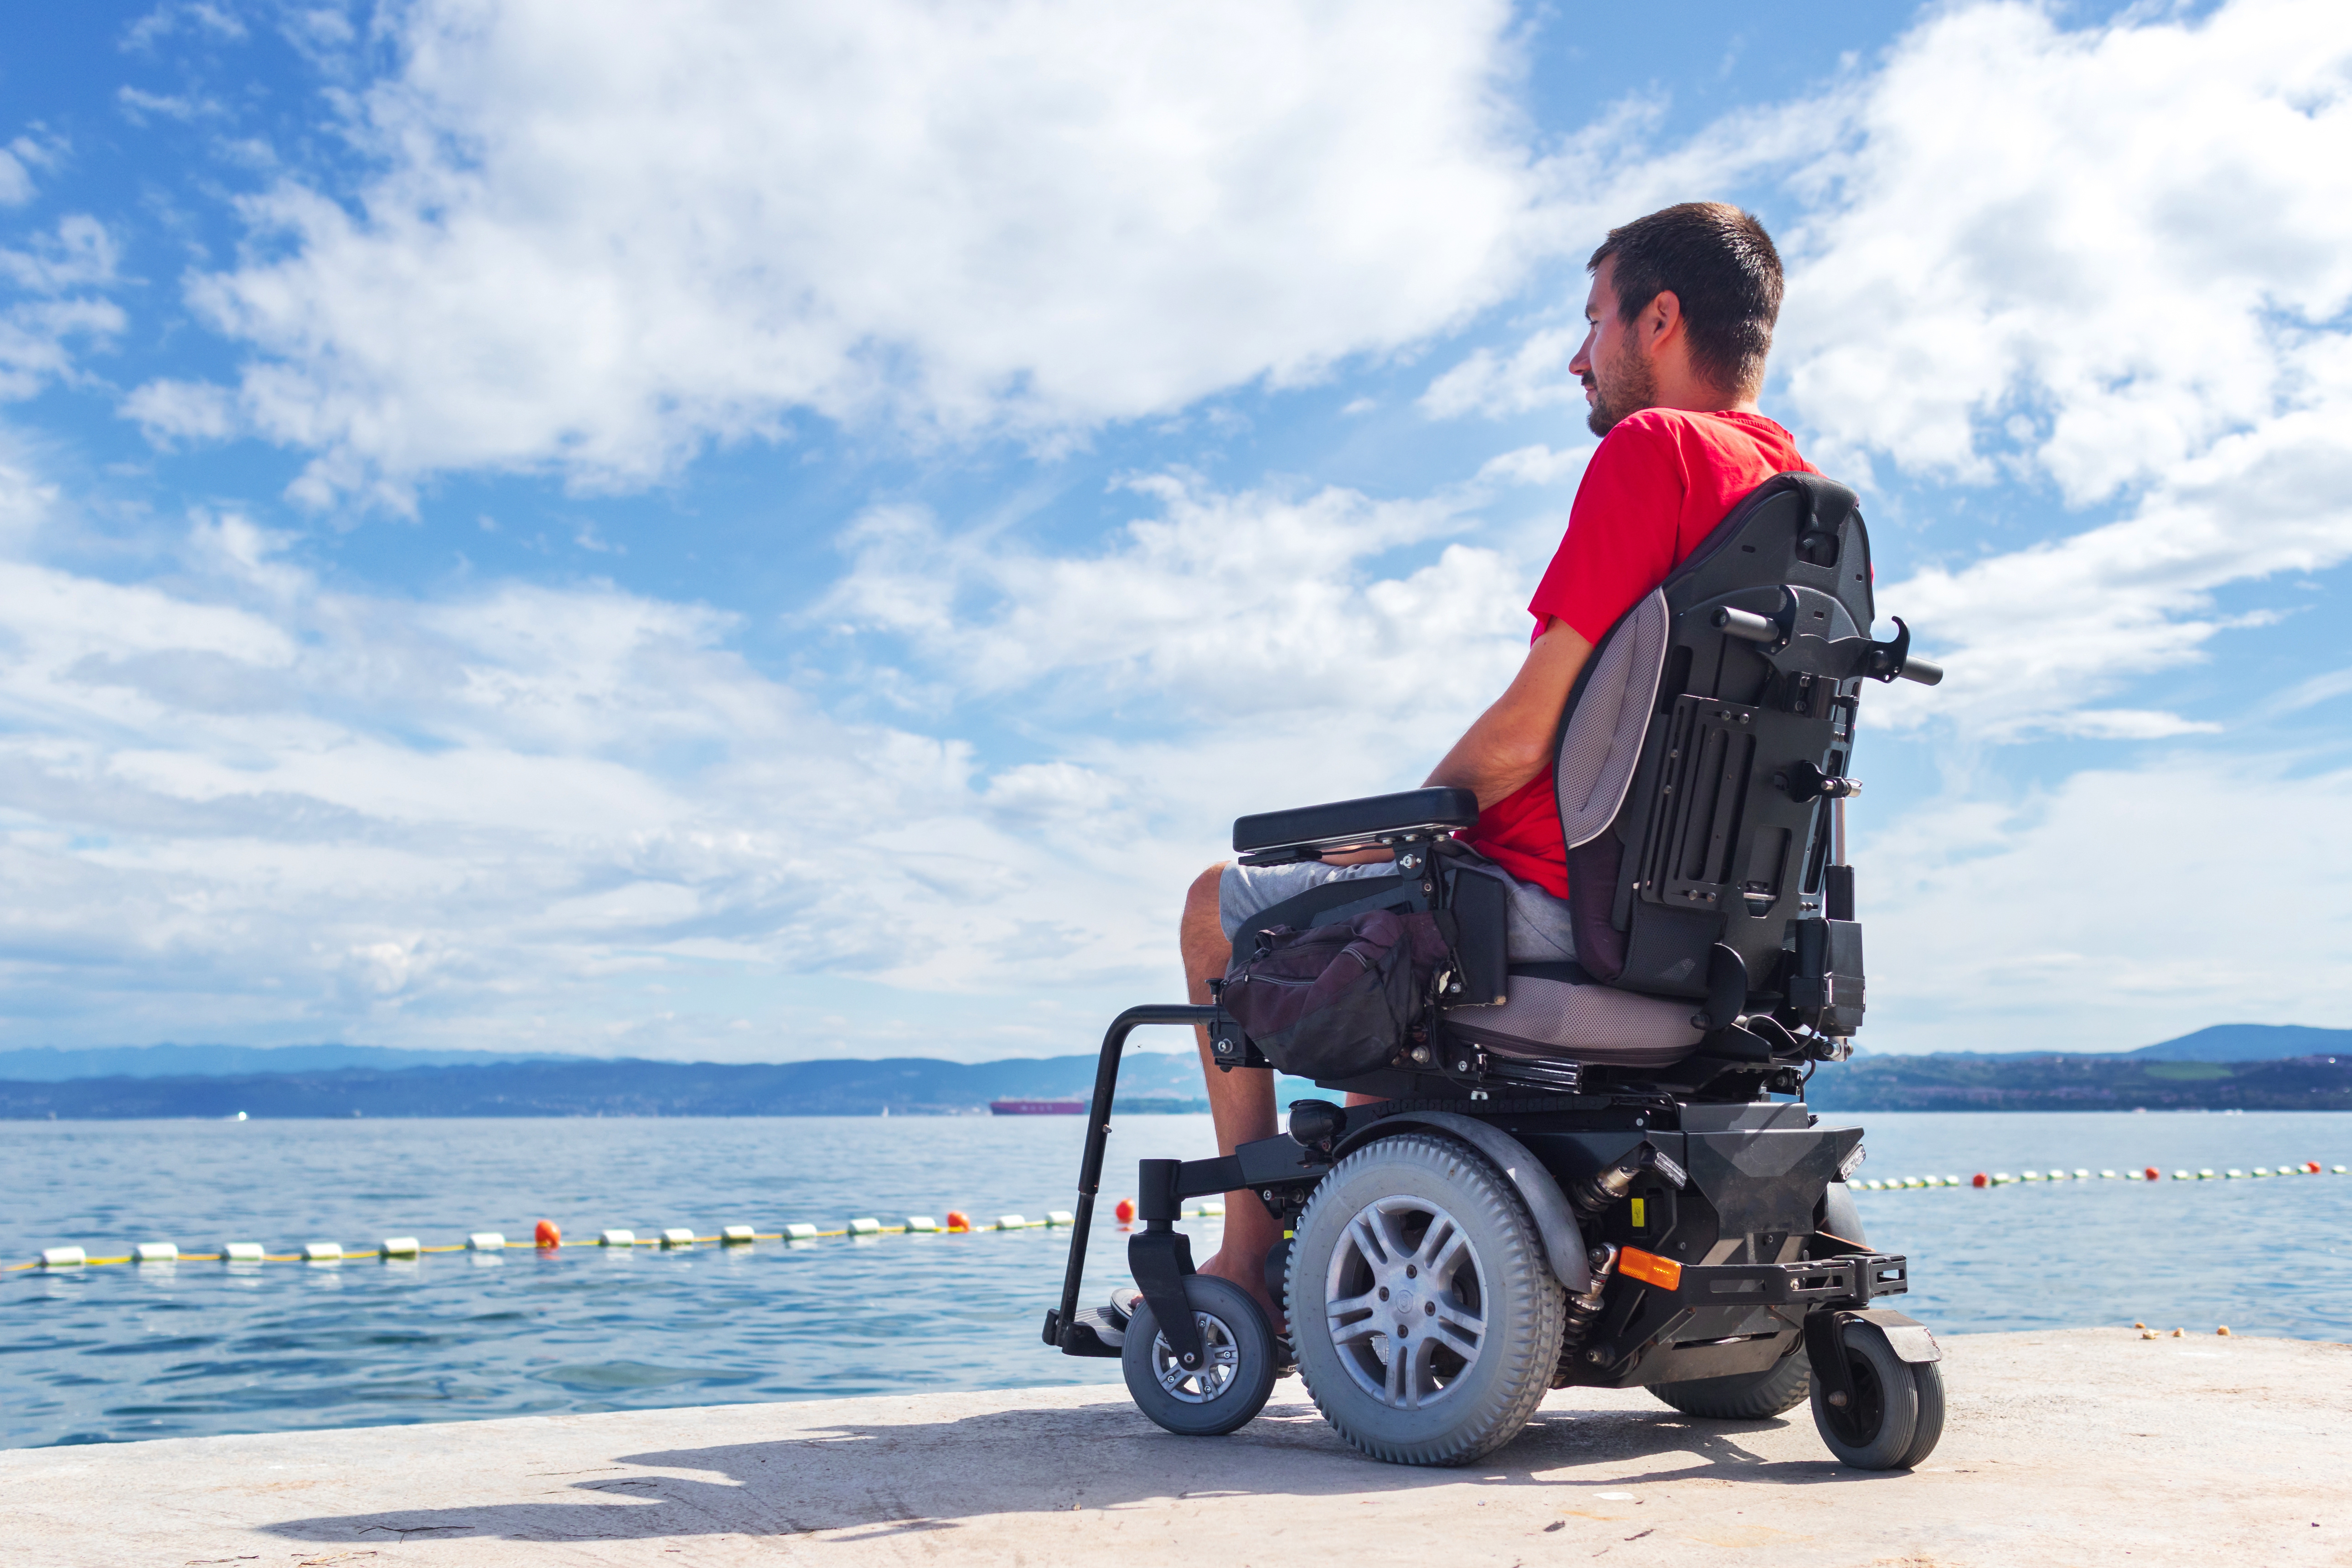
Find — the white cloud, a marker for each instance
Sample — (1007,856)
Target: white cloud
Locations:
(1532,376)
(2036,638)
(2136,239)
(15,180)
(1224,609)
(2123,270)
(137,106)
(174,411)
(254,802)
(599,244)
(38,148)
(2121,908)
(1537,465)
(57,277)
(2310,692)
(175,17)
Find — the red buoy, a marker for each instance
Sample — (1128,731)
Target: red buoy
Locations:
(1126,1210)
(2153,1174)
(959,1221)
(1980,1180)
(2311,1167)
(547,1235)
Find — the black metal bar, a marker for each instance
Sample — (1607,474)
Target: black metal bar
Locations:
(1199,1178)
(1098,1137)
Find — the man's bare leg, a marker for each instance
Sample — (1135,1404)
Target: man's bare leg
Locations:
(1241,1103)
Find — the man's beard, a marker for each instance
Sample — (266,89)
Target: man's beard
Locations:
(1628,389)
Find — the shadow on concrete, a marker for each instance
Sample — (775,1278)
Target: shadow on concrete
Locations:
(899,1480)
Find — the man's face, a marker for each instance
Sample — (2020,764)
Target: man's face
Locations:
(1614,370)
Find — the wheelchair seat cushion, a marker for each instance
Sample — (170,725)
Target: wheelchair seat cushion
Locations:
(1556,1013)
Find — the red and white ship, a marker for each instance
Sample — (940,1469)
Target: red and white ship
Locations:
(1038,1107)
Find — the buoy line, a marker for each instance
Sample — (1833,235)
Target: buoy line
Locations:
(549,1238)
(2145,1173)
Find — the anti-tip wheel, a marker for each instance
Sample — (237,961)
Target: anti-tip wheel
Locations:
(1894,1414)
(1225,1393)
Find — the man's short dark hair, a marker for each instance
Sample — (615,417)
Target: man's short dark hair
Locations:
(1718,261)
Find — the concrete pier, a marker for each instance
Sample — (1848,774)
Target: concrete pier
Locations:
(2092,1446)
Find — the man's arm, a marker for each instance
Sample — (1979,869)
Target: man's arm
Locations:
(1511,742)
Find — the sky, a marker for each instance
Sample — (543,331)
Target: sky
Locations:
(791,532)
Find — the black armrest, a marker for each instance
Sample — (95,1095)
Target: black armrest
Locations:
(1350,821)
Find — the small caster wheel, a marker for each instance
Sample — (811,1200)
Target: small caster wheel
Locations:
(1222,1396)
(1894,1415)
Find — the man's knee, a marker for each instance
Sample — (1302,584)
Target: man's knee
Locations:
(1201,901)
(1202,933)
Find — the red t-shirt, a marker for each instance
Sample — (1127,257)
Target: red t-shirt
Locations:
(1658,484)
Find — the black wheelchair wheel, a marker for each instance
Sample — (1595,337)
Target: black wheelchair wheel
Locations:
(1227,1393)
(1743,1397)
(1929,1378)
(1876,1426)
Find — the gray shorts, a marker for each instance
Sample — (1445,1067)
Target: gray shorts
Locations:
(1537,922)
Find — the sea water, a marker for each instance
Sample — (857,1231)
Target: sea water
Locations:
(122,1353)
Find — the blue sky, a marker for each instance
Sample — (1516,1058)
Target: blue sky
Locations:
(792,534)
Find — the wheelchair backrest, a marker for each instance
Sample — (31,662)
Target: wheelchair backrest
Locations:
(1693,755)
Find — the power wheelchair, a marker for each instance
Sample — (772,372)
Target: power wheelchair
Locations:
(1599,1173)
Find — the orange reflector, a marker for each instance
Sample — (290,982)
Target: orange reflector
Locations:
(1649,1269)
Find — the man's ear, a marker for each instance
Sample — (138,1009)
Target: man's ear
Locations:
(1661,317)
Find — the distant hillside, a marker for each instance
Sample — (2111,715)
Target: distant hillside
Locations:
(2250,1043)
(584,1086)
(2129,1082)
(1074,1075)
(1155,1081)
(46,1064)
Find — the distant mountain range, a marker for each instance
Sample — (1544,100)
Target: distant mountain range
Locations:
(2248,1043)
(579,1086)
(2244,1066)
(46,1064)
(2119,1082)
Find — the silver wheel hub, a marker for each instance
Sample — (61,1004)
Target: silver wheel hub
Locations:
(1198,1386)
(1406,1300)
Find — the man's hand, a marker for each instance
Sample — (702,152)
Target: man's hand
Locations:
(1512,741)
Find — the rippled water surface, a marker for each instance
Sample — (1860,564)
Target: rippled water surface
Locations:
(113,1354)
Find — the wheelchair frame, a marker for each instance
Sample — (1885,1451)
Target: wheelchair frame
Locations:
(1700,1228)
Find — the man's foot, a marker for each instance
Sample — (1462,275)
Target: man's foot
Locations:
(1252,1279)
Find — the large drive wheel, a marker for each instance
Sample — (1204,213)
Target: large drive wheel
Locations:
(1747,1395)
(1224,1394)
(1425,1317)
(1895,1413)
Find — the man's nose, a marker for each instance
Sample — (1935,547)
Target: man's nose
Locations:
(1582,365)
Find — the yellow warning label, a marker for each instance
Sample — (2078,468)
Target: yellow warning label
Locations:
(1641,1214)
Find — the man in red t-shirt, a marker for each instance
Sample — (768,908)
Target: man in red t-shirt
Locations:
(1681,314)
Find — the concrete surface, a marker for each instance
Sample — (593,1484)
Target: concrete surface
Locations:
(2088,1447)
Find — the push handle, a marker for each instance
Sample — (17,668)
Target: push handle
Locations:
(1747,625)
(1921,670)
